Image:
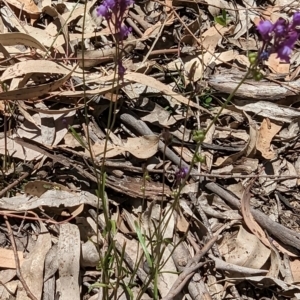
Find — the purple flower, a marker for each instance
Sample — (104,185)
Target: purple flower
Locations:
(285,49)
(121,69)
(125,31)
(280,28)
(265,28)
(181,173)
(110,4)
(103,11)
(117,6)
(284,53)
(124,4)
(264,55)
(279,38)
(296,19)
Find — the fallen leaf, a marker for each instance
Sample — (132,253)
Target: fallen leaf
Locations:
(141,147)
(266,133)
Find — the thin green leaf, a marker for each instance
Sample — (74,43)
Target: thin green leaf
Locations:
(224,15)
(142,242)
(220,20)
(77,137)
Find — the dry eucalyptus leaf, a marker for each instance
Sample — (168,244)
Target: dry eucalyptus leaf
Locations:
(247,150)
(35,91)
(168,274)
(213,35)
(51,198)
(7,258)
(242,16)
(89,255)
(270,168)
(266,133)
(39,187)
(141,147)
(266,281)
(253,225)
(16,150)
(152,82)
(18,38)
(276,65)
(157,114)
(9,289)
(26,5)
(32,274)
(244,249)
(34,66)
(52,127)
(69,262)
(290,171)
(269,110)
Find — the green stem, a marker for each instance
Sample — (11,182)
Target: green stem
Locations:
(228,100)
(210,125)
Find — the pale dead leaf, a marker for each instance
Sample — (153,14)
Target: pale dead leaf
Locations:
(150,81)
(33,275)
(7,258)
(209,155)
(51,11)
(295,267)
(71,141)
(290,171)
(155,113)
(269,110)
(286,289)
(168,223)
(35,91)
(141,147)
(10,288)
(270,168)
(168,274)
(297,168)
(34,66)
(214,7)
(31,131)
(48,129)
(244,44)
(23,110)
(266,133)
(243,60)
(253,226)
(182,224)
(248,218)
(39,187)
(242,15)
(291,131)
(26,5)
(276,66)
(18,38)
(213,35)
(185,153)
(246,165)
(244,249)
(89,255)
(248,150)
(16,150)
(225,56)
(69,261)
(51,198)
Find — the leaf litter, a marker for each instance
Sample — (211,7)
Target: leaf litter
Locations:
(235,232)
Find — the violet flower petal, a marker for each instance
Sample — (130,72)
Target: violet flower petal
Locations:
(265,28)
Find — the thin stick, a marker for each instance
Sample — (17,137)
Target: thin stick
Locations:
(17,262)
(16,182)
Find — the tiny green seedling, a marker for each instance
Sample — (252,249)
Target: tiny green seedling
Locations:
(222,19)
